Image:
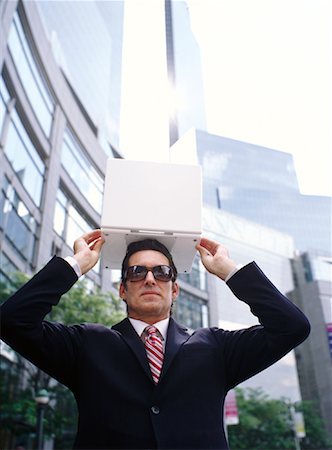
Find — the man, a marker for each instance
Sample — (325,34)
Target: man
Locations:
(124,400)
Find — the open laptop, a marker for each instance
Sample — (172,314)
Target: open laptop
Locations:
(151,200)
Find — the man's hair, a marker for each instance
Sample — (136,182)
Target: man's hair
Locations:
(146,244)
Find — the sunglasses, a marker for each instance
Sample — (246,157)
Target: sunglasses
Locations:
(138,273)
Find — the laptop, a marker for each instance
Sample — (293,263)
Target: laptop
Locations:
(151,200)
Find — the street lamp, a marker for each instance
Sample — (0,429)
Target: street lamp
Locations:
(42,398)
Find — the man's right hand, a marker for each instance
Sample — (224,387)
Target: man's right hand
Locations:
(87,250)
(215,258)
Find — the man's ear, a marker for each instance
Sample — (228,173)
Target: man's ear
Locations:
(175,290)
(122,291)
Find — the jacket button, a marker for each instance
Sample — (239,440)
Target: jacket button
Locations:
(155,409)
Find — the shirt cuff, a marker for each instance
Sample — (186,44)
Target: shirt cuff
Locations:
(233,272)
(74,264)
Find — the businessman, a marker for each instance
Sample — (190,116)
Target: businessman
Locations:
(147,383)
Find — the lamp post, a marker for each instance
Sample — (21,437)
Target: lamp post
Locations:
(42,398)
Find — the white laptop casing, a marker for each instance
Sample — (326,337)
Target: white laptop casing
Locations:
(151,200)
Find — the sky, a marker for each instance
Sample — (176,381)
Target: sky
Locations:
(267,79)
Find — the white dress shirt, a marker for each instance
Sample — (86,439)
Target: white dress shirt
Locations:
(162,327)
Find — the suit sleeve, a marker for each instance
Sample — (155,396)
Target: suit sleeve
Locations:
(282,327)
(52,347)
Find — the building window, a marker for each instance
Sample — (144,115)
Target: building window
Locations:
(307,267)
(25,159)
(7,268)
(82,172)
(4,99)
(191,311)
(68,221)
(30,76)
(19,226)
(59,222)
(197,276)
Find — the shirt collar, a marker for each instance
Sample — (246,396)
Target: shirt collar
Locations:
(140,326)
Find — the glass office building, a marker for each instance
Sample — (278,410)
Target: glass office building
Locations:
(186,84)
(86,39)
(260,184)
(272,251)
(52,164)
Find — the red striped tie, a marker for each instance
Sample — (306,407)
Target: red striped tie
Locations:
(154,351)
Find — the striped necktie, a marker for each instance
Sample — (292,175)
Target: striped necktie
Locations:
(154,351)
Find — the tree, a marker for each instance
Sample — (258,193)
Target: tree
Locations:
(266,423)
(316,436)
(20,381)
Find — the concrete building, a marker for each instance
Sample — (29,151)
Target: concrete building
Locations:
(313,294)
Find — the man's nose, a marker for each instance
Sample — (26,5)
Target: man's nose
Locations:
(149,278)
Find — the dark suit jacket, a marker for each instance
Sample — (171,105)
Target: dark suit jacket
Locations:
(107,370)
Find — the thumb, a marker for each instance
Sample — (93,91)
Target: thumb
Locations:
(79,245)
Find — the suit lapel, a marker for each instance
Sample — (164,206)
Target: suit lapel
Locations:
(130,336)
(176,336)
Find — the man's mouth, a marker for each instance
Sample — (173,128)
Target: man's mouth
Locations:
(150,293)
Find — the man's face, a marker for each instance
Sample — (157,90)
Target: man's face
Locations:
(149,300)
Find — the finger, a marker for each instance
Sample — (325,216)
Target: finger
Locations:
(209,245)
(97,244)
(204,252)
(92,235)
(86,240)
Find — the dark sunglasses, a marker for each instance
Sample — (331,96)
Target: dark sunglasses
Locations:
(138,273)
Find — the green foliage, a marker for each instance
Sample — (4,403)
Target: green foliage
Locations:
(266,423)
(79,305)
(9,287)
(316,435)
(62,417)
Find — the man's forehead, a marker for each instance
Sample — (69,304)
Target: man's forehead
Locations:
(143,256)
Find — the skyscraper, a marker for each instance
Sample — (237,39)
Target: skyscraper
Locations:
(248,241)
(52,164)
(260,184)
(183,54)
(86,38)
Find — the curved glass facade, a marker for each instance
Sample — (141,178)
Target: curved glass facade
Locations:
(18,224)
(260,184)
(4,99)
(68,222)
(83,173)
(40,215)
(31,76)
(24,158)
